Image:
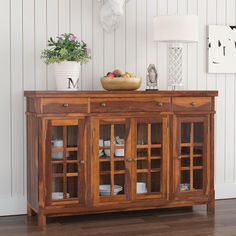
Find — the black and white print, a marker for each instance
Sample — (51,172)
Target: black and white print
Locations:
(222,49)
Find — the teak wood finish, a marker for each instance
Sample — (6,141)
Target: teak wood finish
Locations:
(139,113)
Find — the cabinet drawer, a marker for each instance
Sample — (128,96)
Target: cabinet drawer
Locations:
(192,103)
(129,104)
(64,105)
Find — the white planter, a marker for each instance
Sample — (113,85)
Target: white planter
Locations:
(67,75)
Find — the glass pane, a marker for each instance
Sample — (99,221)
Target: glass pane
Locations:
(198,150)
(155,152)
(185,132)
(156,133)
(185,151)
(57,156)
(119,165)
(155,163)
(197,179)
(57,168)
(72,168)
(105,132)
(105,166)
(142,164)
(57,188)
(72,187)
(142,152)
(198,161)
(156,181)
(105,185)
(71,155)
(185,162)
(185,180)
(119,187)
(119,133)
(142,134)
(141,186)
(57,137)
(120,152)
(72,136)
(198,132)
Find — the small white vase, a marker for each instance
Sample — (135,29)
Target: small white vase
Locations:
(67,75)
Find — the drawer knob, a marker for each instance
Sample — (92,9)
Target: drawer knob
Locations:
(160,104)
(129,159)
(103,104)
(81,161)
(193,104)
(65,105)
(179,157)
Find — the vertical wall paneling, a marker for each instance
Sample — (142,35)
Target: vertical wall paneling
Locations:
(5,85)
(192,51)
(87,36)
(26,26)
(97,53)
(162,48)
(120,44)
(16,103)
(220,105)
(202,50)
(131,35)
(152,50)
(29,44)
(52,31)
(182,9)
(142,40)
(229,106)
(212,20)
(40,32)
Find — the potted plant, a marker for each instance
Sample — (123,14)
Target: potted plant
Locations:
(66,54)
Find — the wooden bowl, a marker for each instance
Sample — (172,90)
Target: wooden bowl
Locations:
(120,83)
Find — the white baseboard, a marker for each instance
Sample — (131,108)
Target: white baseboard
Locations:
(225,190)
(13,205)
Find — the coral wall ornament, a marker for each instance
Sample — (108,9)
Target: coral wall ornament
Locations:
(110,14)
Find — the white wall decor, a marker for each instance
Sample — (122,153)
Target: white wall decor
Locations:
(222,49)
(111,12)
(26,26)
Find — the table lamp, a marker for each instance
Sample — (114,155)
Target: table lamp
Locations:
(175,30)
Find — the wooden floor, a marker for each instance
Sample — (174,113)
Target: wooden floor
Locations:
(181,222)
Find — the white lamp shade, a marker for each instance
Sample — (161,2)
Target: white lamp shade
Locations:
(176,28)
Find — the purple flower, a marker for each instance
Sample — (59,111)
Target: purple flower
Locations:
(73,38)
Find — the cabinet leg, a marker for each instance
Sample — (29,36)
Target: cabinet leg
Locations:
(41,220)
(211,207)
(30,212)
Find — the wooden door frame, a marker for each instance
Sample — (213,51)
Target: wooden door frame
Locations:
(95,123)
(81,155)
(177,119)
(164,119)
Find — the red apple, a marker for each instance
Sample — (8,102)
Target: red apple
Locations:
(111,75)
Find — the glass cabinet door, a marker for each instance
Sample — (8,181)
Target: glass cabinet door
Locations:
(111,159)
(65,160)
(150,157)
(191,159)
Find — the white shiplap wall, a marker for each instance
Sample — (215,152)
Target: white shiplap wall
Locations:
(25,26)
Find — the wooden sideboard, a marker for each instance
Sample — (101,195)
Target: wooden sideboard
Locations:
(91,152)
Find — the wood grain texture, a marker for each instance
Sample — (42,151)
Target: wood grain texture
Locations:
(27,25)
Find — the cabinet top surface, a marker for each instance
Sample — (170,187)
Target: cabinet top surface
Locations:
(100,94)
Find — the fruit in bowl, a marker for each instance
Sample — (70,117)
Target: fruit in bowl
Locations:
(119,80)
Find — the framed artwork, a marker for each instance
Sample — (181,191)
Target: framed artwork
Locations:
(151,78)
(221,49)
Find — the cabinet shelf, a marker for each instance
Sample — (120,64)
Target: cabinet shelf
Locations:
(56,175)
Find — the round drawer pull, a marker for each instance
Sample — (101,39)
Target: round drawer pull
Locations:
(160,104)
(129,159)
(103,104)
(65,105)
(193,104)
(81,161)
(179,157)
